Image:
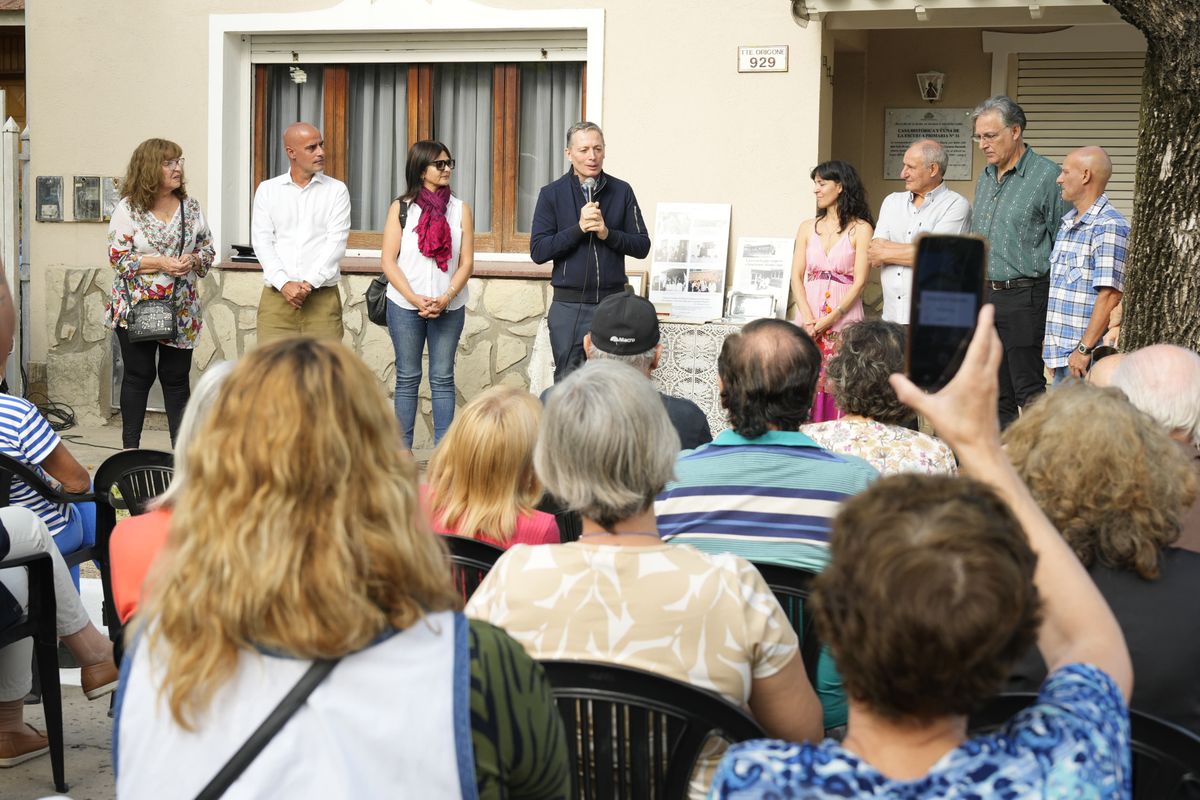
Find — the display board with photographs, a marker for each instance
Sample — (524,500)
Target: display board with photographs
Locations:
(691,248)
(762,266)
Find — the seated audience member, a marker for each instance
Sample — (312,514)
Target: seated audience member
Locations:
(481,479)
(1116,486)
(872,427)
(305,541)
(936,587)
(607,448)
(763,490)
(1163,380)
(22,533)
(625,328)
(136,541)
(27,437)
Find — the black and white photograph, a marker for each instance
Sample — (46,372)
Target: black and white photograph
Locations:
(671,280)
(763,280)
(673,223)
(49,198)
(110,195)
(671,251)
(708,281)
(705,251)
(87,198)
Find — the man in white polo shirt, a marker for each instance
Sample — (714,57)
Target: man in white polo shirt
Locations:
(926,206)
(299,229)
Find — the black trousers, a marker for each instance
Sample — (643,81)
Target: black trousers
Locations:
(567,323)
(173,368)
(1021,323)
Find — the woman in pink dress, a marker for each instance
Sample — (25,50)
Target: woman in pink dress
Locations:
(829,269)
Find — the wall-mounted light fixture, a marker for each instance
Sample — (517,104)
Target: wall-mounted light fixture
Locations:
(930,85)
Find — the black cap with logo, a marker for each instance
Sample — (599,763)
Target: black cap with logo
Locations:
(625,324)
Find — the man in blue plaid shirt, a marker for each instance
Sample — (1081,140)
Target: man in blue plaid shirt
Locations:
(1087,265)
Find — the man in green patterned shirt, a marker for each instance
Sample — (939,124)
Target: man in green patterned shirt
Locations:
(1018,209)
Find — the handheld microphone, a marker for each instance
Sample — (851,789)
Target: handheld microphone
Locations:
(589,187)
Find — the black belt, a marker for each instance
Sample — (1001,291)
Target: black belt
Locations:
(1016,283)
(591,297)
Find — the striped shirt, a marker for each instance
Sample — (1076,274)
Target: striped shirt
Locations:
(1019,216)
(769,499)
(1088,254)
(26,436)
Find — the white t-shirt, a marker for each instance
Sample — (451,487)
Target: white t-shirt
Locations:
(422,271)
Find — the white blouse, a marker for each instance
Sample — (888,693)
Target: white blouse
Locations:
(422,271)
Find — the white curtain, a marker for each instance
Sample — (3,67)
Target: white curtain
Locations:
(289,102)
(377,130)
(462,120)
(550,104)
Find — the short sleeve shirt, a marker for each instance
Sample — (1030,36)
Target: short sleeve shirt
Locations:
(1073,742)
(27,437)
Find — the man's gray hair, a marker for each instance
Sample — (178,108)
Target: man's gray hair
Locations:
(1010,113)
(607,447)
(201,401)
(583,125)
(1163,381)
(642,362)
(933,153)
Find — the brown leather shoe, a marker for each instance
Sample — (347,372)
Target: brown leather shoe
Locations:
(17,748)
(99,679)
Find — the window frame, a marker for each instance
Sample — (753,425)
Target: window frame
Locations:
(502,234)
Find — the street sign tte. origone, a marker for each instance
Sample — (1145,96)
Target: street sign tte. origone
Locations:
(770,58)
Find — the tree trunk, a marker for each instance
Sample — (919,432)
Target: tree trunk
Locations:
(1162,291)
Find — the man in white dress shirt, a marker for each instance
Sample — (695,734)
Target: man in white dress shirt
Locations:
(925,206)
(299,229)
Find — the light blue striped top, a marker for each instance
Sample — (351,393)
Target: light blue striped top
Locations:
(26,436)
(768,499)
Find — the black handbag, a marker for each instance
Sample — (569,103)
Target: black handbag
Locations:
(377,291)
(155,320)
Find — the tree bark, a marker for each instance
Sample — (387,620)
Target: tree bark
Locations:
(1162,291)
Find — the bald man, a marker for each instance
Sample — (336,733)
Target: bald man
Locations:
(1087,265)
(299,229)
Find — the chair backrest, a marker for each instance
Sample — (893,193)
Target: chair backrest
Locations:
(117,465)
(11,468)
(792,587)
(140,485)
(637,735)
(471,560)
(1166,757)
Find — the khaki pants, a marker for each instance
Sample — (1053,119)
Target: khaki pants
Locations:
(319,317)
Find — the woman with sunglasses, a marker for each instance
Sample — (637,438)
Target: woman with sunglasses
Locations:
(428,255)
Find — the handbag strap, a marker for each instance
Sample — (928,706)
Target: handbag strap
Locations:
(182,236)
(249,751)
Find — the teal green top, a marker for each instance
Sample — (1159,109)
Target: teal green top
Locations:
(1019,216)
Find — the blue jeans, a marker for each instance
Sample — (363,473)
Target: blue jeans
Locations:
(79,533)
(409,331)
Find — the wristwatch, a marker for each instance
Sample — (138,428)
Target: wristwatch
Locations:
(1084,349)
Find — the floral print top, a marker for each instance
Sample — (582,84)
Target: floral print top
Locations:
(134,234)
(1072,743)
(887,448)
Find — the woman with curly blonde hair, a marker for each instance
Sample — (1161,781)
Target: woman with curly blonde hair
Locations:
(297,537)
(1116,486)
(481,478)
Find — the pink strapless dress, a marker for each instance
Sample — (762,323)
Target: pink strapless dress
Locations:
(827,281)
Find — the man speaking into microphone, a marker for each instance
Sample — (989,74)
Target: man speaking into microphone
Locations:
(586,222)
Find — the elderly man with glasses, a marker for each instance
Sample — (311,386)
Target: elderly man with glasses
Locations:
(1018,208)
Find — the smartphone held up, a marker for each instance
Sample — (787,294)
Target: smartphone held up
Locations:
(947,293)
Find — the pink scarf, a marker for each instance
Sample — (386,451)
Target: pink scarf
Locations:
(433,232)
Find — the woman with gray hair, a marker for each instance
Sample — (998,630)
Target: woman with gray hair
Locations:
(873,425)
(136,540)
(607,448)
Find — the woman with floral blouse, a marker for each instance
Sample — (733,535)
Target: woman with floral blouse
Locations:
(160,245)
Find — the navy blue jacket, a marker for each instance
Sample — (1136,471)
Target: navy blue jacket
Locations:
(582,262)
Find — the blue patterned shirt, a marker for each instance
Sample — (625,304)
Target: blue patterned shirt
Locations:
(1072,743)
(1089,253)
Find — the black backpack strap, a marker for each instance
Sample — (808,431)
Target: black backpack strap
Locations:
(267,730)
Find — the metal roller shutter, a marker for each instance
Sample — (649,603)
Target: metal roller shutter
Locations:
(1077,99)
(411,47)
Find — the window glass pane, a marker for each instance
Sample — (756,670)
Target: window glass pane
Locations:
(377,146)
(462,120)
(288,102)
(550,99)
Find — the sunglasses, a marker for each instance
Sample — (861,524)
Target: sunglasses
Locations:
(443,164)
